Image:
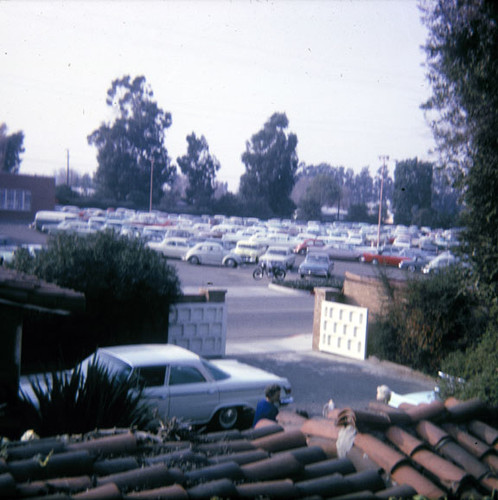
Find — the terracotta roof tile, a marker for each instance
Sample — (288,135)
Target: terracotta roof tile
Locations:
(448,453)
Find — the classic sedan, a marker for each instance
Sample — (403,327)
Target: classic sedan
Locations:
(276,255)
(316,264)
(173,247)
(212,253)
(389,256)
(343,251)
(181,384)
(416,263)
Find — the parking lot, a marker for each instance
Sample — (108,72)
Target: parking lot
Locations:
(272,329)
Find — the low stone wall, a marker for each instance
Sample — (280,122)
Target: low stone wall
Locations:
(198,323)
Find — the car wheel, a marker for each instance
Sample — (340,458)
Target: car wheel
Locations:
(226,418)
(302,251)
(194,260)
(375,262)
(302,276)
(412,269)
(362,259)
(230,263)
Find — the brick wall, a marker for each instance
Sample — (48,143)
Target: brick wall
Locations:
(42,193)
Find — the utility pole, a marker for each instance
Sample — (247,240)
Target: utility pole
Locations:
(151,178)
(67,167)
(384,159)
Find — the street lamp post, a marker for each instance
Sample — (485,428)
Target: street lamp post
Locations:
(151,182)
(384,158)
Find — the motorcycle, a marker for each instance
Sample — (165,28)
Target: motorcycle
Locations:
(272,270)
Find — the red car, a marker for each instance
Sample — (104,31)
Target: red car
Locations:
(389,256)
(308,244)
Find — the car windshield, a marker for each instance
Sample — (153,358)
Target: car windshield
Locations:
(214,371)
(318,258)
(276,252)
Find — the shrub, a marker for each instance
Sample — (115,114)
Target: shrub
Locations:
(433,317)
(311,284)
(477,366)
(78,402)
(128,290)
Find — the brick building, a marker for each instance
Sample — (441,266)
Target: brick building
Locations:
(21,196)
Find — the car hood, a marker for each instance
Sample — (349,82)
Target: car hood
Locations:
(313,265)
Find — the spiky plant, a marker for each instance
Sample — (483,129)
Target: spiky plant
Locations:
(83,400)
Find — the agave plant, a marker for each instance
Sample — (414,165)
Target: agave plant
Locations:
(77,402)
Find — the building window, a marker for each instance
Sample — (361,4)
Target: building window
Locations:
(15,199)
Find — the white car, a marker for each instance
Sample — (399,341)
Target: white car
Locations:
(250,251)
(442,261)
(279,255)
(181,384)
(174,248)
(212,253)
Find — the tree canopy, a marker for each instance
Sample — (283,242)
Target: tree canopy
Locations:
(11,149)
(462,66)
(271,163)
(200,167)
(412,190)
(322,191)
(133,145)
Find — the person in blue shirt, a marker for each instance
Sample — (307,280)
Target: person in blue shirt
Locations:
(267,407)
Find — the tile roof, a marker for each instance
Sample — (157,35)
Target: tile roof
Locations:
(25,290)
(438,450)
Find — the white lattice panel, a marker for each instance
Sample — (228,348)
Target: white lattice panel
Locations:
(343,330)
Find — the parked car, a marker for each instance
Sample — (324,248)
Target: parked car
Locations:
(316,264)
(276,255)
(70,226)
(181,384)
(389,256)
(343,251)
(309,244)
(212,253)
(416,263)
(249,251)
(174,248)
(442,261)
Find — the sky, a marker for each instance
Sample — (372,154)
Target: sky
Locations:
(349,75)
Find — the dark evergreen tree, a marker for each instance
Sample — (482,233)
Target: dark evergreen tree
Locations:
(132,146)
(412,190)
(200,167)
(11,148)
(271,163)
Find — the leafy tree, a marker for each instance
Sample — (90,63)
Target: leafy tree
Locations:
(322,191)
(359,213)
(463,71)
(445,202)
(271,164)
(412,190)
(133,145)
(128,290)
(11,148)
(361,188)
(200,167)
